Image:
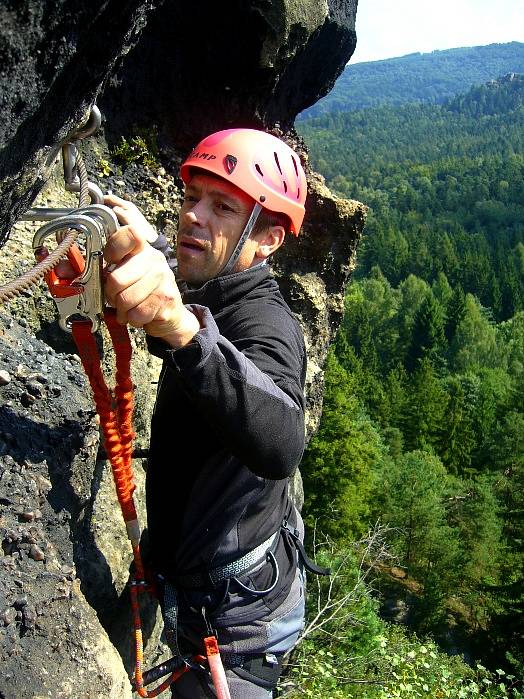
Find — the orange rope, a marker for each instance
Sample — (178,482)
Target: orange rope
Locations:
(123,384)
(135,589)
(116,421)
(116,424)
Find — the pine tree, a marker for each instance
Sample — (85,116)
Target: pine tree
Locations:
(475,512)
(339,467)
(415,489)
(458,435)
(455,310)
(427,404)
(442,290)
(427,340)
(412,292)
(474,344)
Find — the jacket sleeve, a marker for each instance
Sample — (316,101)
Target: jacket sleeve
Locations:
(250,389)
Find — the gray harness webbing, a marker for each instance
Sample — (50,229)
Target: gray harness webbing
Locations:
(216,575)
(230,570)
(171,618)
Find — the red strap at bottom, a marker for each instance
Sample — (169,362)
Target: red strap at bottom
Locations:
(216,668)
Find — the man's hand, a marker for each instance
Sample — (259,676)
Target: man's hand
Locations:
(140,284)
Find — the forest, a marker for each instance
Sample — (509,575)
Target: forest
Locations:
(414,481)
(418,77)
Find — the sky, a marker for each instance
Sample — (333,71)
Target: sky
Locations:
(389,28)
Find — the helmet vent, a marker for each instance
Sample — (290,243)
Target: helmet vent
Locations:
(276,161)
(298,193)
(285,186)
(295,164)
(257,166)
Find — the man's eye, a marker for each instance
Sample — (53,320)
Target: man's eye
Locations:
(190,198)
(223,207)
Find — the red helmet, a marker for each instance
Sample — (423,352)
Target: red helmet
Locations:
(259,164)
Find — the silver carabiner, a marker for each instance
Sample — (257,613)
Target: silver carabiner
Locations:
(44,213)
(104,213)
(89,128)
(84,295)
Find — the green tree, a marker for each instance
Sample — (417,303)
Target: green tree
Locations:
(442,290)
(455,310)
(458,435)
(427,340)
(475,511)
(474,343)
(341,461)
(490,393)
(424,414)
(413,505)
(412,292)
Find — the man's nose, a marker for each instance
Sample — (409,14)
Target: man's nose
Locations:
(197,215)
(191,218)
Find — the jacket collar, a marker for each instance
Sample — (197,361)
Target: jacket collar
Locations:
(224,291)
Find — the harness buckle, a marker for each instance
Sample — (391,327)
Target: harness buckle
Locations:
(294,532)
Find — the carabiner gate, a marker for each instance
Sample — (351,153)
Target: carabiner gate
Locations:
(82,295)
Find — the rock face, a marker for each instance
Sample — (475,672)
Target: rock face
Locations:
(253,64)
(64,561)
(54,58)
(48,443)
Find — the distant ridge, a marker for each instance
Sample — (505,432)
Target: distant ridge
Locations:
(419,77)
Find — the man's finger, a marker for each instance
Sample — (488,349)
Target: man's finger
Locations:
(132,270)
(138,304)
(125,241)
(128,214)
(114,200)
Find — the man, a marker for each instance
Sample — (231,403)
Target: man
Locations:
(228,426)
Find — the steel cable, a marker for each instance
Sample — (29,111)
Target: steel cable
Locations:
(30,278)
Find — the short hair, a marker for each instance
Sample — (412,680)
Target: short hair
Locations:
(267,219)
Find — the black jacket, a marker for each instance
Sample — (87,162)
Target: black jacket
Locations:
(228,426)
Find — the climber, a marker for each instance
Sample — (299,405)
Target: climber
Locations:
(227,431)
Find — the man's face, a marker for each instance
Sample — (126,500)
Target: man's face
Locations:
(212,218)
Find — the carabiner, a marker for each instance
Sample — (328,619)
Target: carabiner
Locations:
(82,295)
(46,213)
(89,128)
(104,214)
(71,178)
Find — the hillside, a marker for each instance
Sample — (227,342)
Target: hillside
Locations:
(423,410)
(447,173)
(428,77)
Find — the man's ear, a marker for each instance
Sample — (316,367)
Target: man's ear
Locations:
(269,240)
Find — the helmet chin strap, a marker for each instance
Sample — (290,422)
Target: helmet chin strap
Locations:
(228,267)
